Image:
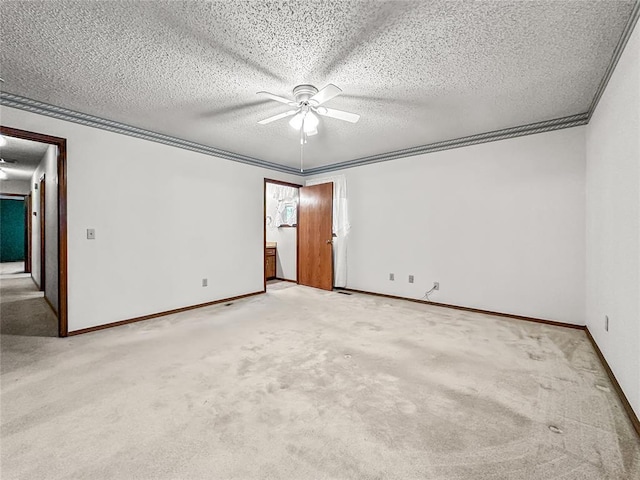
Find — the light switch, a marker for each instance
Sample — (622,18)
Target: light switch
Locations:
(91,233)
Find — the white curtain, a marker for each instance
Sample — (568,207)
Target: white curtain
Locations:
(281,205)
(341,226)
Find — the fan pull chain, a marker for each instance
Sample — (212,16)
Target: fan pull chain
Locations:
(302,147)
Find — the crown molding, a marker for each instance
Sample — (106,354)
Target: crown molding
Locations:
(530,129)
(35,106)
(23,103)
(617,53)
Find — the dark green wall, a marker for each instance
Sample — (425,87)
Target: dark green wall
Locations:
(11,230)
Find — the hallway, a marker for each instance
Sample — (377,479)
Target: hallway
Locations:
(23,309)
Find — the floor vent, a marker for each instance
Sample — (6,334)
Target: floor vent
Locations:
(344,293)
(228,304)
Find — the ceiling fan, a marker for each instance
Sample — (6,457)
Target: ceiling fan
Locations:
(308,102)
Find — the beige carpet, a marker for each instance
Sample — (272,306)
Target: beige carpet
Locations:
(23,309)
(305,384)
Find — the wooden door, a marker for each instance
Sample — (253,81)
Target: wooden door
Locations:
(42,235)
(315,236)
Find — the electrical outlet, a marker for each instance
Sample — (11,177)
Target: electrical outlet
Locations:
(436,285)
(205,282)
(91,233)
(410,278)
(392,277)
(606,323)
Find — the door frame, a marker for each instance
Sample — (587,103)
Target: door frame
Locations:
(61,143)
(42,201)
(264,226)
(29,228)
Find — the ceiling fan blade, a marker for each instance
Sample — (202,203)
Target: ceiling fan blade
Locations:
(2,160)
(324,95)
(279,99)
(277,117)
(339,114)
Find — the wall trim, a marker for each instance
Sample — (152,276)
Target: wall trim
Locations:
(617,53)
(467,309)
(35,106)
(494,136)
(159,314)
(616,386)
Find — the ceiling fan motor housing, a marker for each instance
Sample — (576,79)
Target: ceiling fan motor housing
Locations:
(302,93)
(308,99)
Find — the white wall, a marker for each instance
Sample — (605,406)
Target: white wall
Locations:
(18,187)
(499,225)
(49,168)
(613,222)
(286,238)
(164,217)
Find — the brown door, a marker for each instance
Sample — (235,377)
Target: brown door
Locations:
(315,248)
(42,236)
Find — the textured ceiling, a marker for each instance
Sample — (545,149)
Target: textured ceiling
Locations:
(416,72)
(26,153)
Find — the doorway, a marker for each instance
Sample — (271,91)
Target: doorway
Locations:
(280,232)
(46,227)
(13,233)
(300,216)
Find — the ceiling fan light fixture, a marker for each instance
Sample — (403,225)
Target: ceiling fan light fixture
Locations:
(310,123)
(309,102)
(296,121)
(3,175)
